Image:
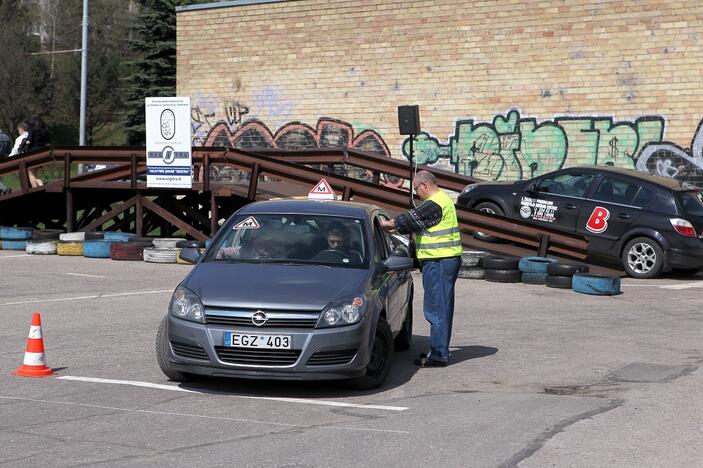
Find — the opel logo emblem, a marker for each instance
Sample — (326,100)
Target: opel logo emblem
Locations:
(259,318)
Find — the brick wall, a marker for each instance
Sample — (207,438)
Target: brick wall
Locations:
(507,88)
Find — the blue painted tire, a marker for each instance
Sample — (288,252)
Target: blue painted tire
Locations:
(98,248)
(534,278)
(14,244)
(118,236)
(535,264)
(16,233)
(596,285)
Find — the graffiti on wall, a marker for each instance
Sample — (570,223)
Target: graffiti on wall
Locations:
(514,148)
(670,160)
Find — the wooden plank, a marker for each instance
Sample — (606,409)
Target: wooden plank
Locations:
(174,220)
(110,214)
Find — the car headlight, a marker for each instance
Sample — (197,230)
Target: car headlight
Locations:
(469,188)
(186,305)
(341,313)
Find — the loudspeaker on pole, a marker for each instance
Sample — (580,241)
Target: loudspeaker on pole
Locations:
(409,120)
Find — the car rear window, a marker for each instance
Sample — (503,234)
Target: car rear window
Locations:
(613,190)
(691,202)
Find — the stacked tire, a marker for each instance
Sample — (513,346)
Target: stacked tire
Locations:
(71,244)
(44,242)
(15,238)
(560,275)
(534,269)
(502,269)
(472,264)
(132,250)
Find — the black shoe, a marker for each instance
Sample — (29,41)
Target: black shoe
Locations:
(429,362)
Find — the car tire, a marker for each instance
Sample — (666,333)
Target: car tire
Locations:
(499,262)
(566,269)
(472,258)
(380,361)
(162,352)
(472,273)
(535,264)
(643,258)
(534,278)
(487,207)
(596,285)
(503,276)
(561,282)
(404,339)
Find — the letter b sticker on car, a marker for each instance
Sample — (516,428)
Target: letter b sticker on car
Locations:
(598,221)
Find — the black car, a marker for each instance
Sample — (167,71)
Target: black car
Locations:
(650,223)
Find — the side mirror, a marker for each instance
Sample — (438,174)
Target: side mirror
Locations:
(398,263)
(191,253)
(400,251)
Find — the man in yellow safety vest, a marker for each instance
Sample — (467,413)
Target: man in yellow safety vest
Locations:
(439,251)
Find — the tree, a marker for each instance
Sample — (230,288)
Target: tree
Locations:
(25,87)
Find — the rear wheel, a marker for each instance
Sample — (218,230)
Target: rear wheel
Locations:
(642,257)
(492,208)
(380,363)
(162,351)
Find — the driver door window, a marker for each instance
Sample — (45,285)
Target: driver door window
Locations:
(568,185)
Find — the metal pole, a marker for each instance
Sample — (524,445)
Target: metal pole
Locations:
(84,74)
(411,205)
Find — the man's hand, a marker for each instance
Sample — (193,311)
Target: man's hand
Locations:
(388,225)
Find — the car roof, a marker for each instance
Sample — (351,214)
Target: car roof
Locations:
(672,184)
(318,207)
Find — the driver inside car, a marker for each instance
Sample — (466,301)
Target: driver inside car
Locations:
(337,237)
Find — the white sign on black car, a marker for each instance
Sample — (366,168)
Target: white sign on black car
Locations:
(168,140)
(538,210)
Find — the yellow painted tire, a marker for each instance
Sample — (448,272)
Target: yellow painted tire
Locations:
(68,248)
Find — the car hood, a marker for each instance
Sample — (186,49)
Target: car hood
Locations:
(293,287)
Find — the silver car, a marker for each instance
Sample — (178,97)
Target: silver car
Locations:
(292,289)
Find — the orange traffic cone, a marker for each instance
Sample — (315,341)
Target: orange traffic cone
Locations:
(34,364)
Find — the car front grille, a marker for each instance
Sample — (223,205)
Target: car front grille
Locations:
(265,357)
(275,319)
(188,351)
(329,358)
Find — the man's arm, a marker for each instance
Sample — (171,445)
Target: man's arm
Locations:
(426,215)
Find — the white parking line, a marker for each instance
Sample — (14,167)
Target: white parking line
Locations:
(201,416)
(16,256)
(175,388)
(693,284)
(98,296)
(86,276)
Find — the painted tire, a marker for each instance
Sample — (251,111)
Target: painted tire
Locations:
(472,258)
(472,273)
(97,248)
(47,234)
(535,264)
(167,242)
(119,236)
(8,244)
(561,282)
(498,262)
(534,278)
(70,249)
(503,276)
(157,255)
(566,269)
(94,235)
(129,251)
(41,247)
(72,236)
(597,285)
(16,233)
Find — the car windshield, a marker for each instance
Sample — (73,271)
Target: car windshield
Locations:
(692,202)
(293,239)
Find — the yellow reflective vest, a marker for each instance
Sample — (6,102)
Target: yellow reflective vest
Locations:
(442,240)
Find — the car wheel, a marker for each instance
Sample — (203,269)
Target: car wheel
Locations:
(380,362)
(642,257)
(162,351)
(492,208)
(402,341)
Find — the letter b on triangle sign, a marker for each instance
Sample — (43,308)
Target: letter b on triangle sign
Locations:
(322,191)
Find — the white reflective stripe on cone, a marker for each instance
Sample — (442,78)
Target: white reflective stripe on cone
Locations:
(34,359)
(35,332)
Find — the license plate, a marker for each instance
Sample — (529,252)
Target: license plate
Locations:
(245,340)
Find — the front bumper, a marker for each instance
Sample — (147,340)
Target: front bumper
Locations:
(351,342)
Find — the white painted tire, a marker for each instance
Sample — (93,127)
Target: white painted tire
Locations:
(72,236)
(167,242)
(156,255)
(472,273)
(41,247)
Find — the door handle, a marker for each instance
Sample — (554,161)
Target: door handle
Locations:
(569,206)
(624,216)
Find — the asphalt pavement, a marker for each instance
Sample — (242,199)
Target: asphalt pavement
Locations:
(538,377)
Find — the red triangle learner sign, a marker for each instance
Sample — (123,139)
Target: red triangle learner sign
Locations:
(322,191)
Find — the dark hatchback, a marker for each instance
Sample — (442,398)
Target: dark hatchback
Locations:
(651,224)
(272,298)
